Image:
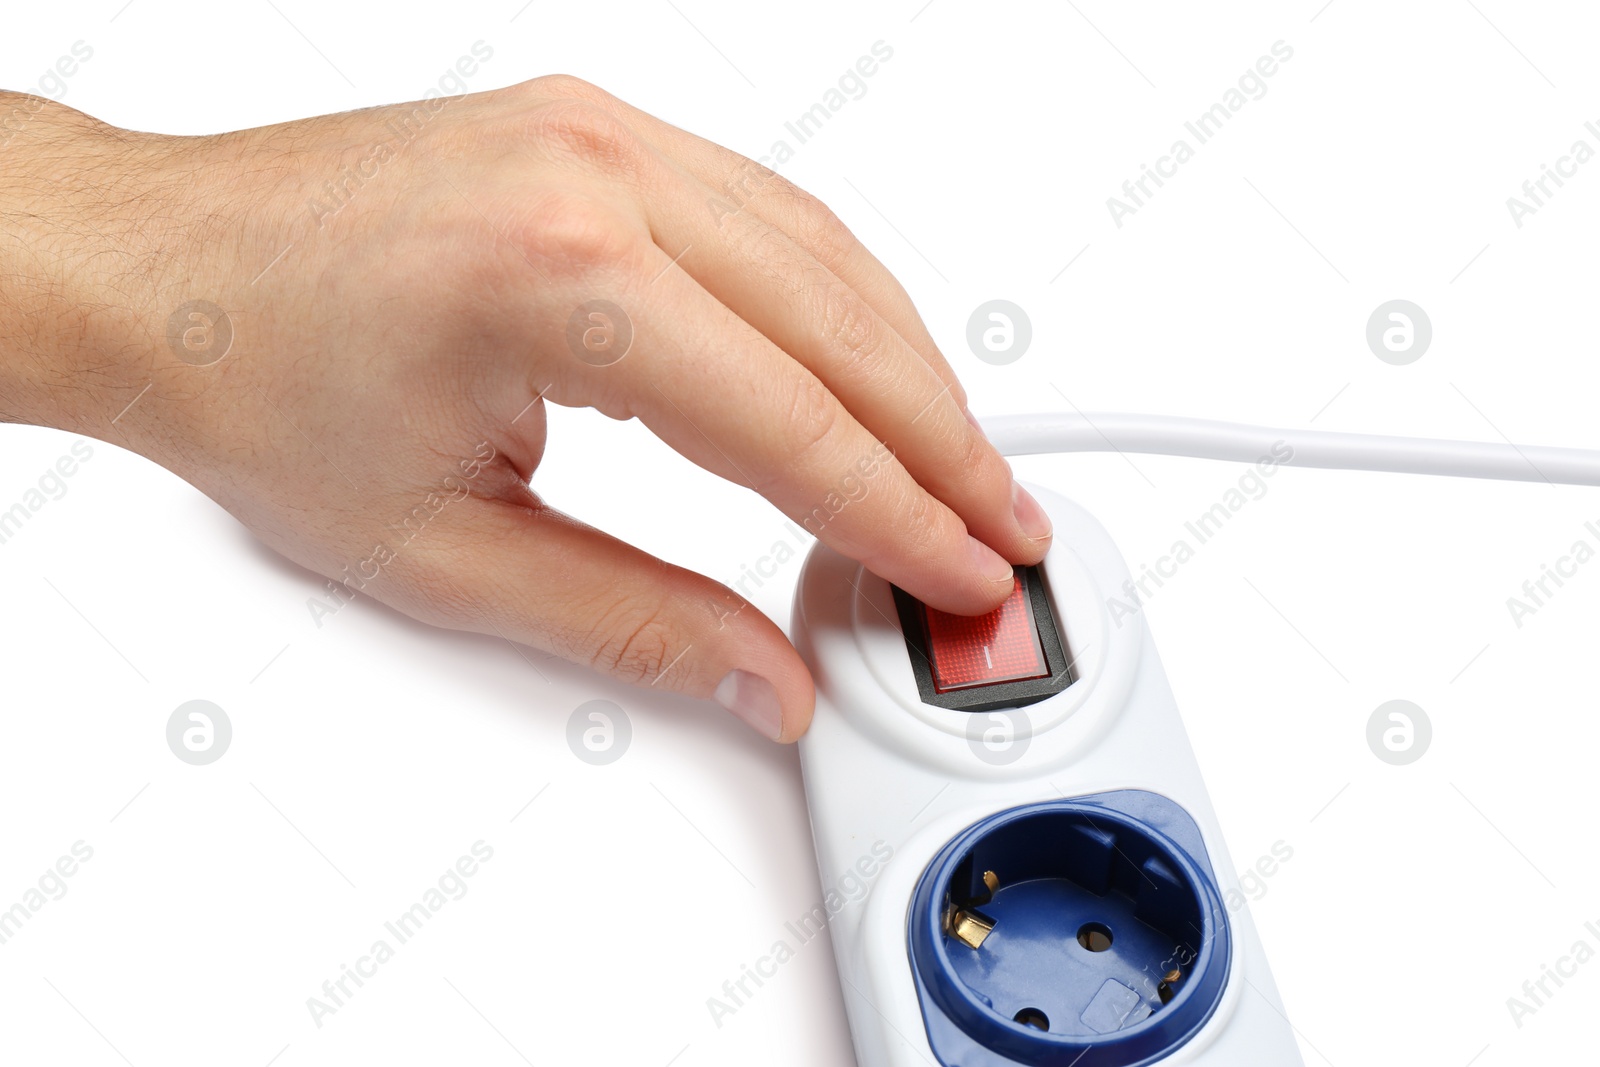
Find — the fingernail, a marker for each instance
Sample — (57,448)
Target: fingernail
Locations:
(753,699)
(1035,524)
(989,563)
(976,425)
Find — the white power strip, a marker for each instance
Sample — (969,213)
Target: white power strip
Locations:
(888,775)
(1048,881)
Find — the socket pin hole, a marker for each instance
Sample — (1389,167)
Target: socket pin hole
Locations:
(1096,937)
(1033,1017)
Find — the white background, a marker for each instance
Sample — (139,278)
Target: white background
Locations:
(370,753)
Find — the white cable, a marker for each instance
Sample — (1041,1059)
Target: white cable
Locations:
(1168,435)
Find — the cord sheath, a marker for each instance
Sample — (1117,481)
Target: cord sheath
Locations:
(1167,435)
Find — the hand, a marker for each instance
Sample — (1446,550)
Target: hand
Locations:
(406,286)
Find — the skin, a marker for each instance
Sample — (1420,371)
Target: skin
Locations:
(402,351)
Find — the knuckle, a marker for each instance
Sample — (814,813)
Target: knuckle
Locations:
(822,232)
(850,322)
(978,459)
(812,416)
(926,519)
(958,392)
(637,645)
(588,133)
(574,234)
(921,527)
(570,87)
(801,430)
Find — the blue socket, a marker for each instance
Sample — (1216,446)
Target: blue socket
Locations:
(1087,932)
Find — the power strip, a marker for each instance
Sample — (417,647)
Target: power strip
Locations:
(1106,938)
(1048,881)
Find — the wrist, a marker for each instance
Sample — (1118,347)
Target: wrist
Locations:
(78,271)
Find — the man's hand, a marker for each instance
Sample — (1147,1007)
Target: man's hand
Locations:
(344,329)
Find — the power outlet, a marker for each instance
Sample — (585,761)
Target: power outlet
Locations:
(1088,931)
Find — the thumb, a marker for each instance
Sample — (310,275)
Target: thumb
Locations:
(537,576)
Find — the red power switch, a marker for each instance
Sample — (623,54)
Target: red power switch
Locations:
(1014,655)
(1002,646)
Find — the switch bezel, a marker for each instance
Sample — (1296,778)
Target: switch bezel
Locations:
(1013,694)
